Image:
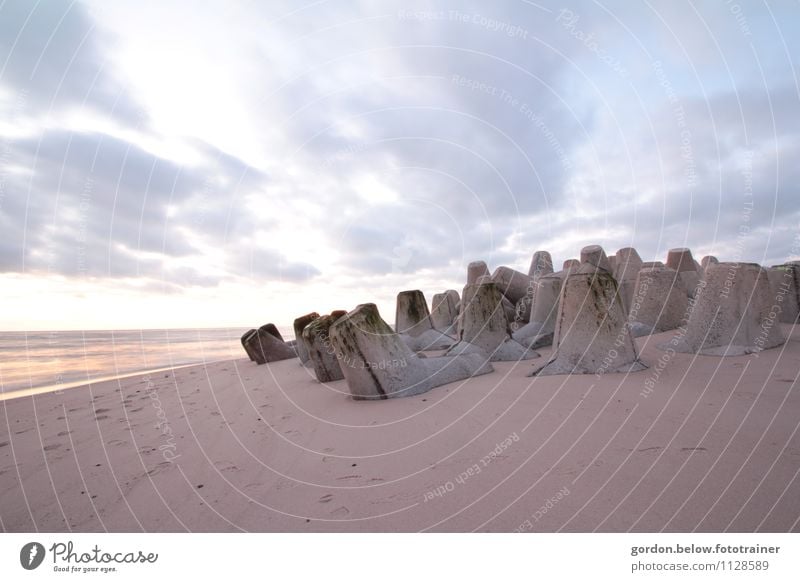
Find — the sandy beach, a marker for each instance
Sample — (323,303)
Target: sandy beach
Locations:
(712,446)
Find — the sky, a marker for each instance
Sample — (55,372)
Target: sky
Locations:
(205,164)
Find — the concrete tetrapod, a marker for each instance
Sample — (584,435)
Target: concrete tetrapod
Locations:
(595,256)
(272,330)
(485,328)
(378,365)
(514,285)
(246,345)
(591,334)
(625,271)
(411,313)
(476,269)
(414,324)
(660,302)
(732,314)
(444,310)
(299,325)
(784,283)
(541,265)
(708,260)
(266,347)
(316,337)
(539,332)
(682,261)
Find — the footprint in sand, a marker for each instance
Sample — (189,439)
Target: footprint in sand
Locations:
(340,512)
(326,498)
(159,468)
(348,477)
(398,498)
(225,466)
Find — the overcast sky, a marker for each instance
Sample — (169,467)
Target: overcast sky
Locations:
(182,164)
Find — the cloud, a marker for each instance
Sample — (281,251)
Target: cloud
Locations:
(396,141)
(56,59)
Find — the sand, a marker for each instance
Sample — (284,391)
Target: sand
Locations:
(712,445)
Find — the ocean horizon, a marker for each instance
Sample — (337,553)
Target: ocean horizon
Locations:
(43,361)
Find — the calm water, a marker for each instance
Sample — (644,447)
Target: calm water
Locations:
(64,358)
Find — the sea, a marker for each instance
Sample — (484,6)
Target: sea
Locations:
(41,361)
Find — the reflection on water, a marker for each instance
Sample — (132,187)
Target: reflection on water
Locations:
(61,358)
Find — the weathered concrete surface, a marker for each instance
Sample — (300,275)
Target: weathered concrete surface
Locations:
(541,265)
(732,314)
(484,326)
(412,316)
(299,325)
(246,346)
(681,260)
(514,285)
(785,287)
(591,334)
(444,310)
(378,365)
(595,256)
(626,269)
(266,348)
(539,331)
(660,302)
(316,337)
(476,269)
